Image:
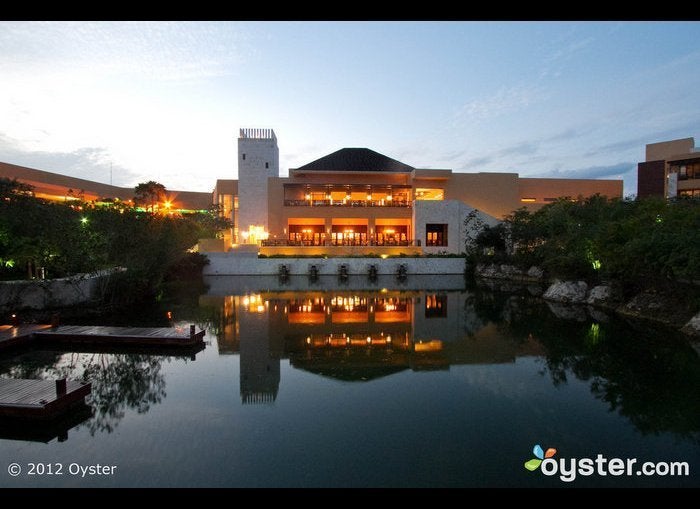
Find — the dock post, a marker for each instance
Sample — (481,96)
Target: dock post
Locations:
(55,320)
(61,387)
(191,331)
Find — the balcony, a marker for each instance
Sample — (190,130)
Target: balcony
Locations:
(348,203)
(330,243)
(347,195)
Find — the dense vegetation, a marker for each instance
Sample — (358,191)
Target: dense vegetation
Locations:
(642,243)
(41,238)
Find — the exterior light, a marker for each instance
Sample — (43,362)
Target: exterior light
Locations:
(167,204)
(389,198)
(83,220)
(308,196)
(369,196)
(369,340)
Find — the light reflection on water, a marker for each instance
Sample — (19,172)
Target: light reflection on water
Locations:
(388,387)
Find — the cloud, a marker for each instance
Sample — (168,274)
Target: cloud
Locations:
(505,100)
(592,172)
(626,171)
(91,163)
(520,149)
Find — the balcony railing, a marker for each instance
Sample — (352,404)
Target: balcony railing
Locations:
(330,243)
(348,203)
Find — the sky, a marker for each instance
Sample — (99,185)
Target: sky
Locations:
(127,102)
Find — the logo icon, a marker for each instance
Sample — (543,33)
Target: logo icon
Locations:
(540,455)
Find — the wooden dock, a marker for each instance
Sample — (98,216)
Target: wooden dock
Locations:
(40,399)
(171,337)
(17,335)
(132,336)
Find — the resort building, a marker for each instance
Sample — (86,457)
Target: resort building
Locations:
(56,187)
(353,201)
(671,170)
(356,201)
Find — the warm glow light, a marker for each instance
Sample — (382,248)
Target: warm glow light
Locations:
(308,196)
(369,340)
(384,256)
(528,200)
(389,198)
(167,204)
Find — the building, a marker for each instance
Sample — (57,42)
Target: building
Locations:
(671,170)
(357,201)
(56,187)
(353,201)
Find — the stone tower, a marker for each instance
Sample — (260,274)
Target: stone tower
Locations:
(258,159)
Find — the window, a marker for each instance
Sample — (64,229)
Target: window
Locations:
(436,235)
(424,193)
(244,157)
(436,306)
(267,165)
(528,200)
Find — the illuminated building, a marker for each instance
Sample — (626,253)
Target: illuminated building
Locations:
(357,201)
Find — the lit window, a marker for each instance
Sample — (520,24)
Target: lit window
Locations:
(528,200)
(424,193)
(436,235)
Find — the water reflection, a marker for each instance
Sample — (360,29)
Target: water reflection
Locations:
(355,336)
(121,381)
(647,376)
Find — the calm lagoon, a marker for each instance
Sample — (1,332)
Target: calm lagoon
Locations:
(316,384)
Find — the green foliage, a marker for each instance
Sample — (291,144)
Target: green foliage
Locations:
(210,223)
(645,242)
(69,238)
(149,194)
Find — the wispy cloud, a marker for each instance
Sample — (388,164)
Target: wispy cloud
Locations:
(161,51)
(503,101)
(617,170)
(91,163)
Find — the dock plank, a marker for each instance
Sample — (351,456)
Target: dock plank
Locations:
(142,336)
(38,398)
(16,335)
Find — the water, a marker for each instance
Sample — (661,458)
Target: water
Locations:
(453,388)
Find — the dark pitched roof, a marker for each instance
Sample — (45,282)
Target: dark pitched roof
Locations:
(356,159)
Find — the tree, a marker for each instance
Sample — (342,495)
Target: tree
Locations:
(148,194)
(10,188)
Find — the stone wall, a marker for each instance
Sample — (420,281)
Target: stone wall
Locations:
(40,294)
(229,264)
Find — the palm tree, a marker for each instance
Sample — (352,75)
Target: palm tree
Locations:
(148,194)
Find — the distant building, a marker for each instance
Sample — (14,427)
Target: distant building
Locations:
(56,187)
(357,201)
(671,170)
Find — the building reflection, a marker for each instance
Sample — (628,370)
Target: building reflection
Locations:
(355,335)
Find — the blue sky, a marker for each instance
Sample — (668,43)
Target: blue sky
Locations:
(164,101)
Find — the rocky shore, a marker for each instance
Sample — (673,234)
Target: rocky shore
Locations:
(566,298)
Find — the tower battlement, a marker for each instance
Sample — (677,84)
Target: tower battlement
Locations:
(257,134)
